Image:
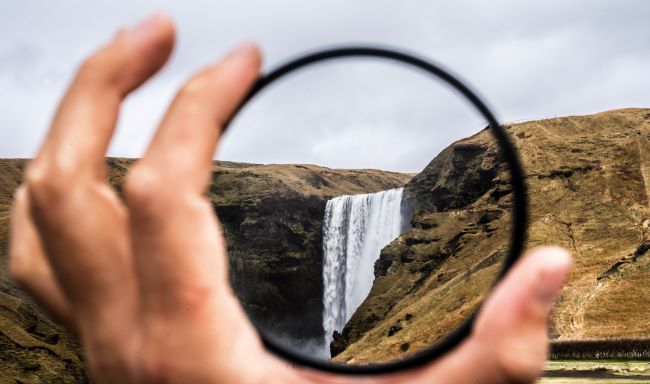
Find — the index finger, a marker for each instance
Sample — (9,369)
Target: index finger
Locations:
(86,117)
(182,150)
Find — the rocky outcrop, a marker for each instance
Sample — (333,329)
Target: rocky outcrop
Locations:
(588,184)
(271,217)
(460,208)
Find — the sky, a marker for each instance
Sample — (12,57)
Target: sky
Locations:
(528,59)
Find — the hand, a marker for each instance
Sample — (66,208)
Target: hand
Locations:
(144,283)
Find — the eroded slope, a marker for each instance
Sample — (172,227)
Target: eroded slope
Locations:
(588,186)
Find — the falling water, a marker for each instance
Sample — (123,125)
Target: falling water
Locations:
(355,229)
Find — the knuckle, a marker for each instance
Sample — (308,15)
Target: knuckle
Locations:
(92,68)
(154,367)
(49,180)
(20,195)
(36,177)
(89,65)
(142,187)
(18,270)
(20,202)
(159,362)
(21,270)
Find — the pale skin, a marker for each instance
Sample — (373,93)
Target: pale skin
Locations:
(143,282)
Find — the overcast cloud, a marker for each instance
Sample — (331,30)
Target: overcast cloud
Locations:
(529,59)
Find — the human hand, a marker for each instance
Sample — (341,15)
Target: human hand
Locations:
(143,282)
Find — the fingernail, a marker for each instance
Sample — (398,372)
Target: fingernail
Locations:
(242,50)
(554,274)
(148,25)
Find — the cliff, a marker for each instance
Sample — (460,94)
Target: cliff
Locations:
(589,185)
(271,217)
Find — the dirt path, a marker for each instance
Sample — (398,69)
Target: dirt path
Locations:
(643,141)
(578,318)
(570,317)
(570,313)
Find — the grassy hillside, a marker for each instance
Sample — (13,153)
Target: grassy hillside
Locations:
(589,187)
(588,178)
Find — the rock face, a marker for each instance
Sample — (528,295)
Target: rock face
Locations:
(434,276)
(589,187)
(271,217)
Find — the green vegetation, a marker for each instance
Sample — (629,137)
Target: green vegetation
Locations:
(596,371)
(624,348)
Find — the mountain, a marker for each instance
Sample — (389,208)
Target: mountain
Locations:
(271,217)
(588,182)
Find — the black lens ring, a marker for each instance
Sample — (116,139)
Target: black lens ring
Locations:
(509,153)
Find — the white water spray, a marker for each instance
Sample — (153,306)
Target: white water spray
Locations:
(355,229)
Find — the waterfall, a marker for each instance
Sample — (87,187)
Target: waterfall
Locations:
(355,229)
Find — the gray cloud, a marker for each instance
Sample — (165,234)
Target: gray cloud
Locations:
(529,59)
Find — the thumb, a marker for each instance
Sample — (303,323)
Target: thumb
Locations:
(512,327)
(509,341)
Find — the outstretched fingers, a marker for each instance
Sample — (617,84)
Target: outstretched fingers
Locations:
(70,201)
(82,224)
(176,235)
(85,120)
(180,255)
(182,150)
